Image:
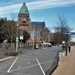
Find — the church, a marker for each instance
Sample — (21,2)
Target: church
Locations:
(41,32)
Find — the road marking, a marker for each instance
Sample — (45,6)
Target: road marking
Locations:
(32,66)
(24,68)
(12,65)
(28,62)
(40,66)
(19,67)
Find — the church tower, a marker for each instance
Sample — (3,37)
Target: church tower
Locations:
(23,18)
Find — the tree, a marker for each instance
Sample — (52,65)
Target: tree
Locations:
(26,36)
(62,27)
(2,22)
(12,29)
(8,30)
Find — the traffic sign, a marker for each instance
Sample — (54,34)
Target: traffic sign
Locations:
(70,33)
(67,32)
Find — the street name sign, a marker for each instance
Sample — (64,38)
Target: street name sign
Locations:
(67,33)
(70,33)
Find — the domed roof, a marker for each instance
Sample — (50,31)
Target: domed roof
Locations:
(23,9)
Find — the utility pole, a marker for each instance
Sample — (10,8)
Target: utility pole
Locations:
(17,38)
(33,35)
(66,43)
(67,33)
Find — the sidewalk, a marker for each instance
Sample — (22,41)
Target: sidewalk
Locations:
(4,59)
(67,64)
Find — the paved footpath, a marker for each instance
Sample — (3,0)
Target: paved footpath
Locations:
(67,64)
(4,59)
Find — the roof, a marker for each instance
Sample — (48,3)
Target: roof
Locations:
(38,24)
(24,9)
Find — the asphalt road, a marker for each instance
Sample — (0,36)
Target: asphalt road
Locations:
(31,62)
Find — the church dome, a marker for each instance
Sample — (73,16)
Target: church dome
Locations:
(23,9)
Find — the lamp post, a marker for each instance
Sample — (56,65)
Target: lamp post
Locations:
(17,38)
(67,33)
(66,43)
(33,35)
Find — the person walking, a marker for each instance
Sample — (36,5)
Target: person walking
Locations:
(69,47)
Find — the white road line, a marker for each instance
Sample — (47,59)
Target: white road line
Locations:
(12,65)
(28,63)
(31,66)
(40,67)
(24,68)
(19,67)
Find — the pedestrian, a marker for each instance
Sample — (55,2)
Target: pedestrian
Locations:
(69,48)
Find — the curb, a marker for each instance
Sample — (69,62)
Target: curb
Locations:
(54,65)
(7,58)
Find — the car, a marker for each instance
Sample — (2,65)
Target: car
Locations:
(64,46)
(45,44)
(49,45)
(60,45)
(36,45)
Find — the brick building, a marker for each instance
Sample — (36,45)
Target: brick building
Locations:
(41,32)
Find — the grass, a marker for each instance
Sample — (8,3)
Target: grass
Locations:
(11,53)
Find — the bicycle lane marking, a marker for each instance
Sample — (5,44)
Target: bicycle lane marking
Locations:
(12,65)
(31,66)
(40,66)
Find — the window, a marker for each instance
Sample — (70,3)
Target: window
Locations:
(23,21)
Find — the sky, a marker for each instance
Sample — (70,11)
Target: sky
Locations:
(41,11)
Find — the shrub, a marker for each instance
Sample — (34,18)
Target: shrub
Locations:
(11,53)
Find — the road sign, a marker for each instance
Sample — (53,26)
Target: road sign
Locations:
(70,33)
(21,37)
(67,32)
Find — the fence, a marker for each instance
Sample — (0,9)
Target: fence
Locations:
(9,46)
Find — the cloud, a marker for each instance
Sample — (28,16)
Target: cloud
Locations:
(11,8)
(48,4)
(42,4)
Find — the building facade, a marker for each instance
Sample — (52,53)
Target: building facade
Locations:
(38,30)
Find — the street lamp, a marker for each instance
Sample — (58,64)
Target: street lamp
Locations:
(33,35)
(17,38)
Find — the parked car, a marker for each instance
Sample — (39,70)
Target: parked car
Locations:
(49,45)
(36,45)
(64,46)
(45,44)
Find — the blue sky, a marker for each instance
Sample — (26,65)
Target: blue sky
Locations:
(41,10)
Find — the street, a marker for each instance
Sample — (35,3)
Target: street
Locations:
(31,62)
